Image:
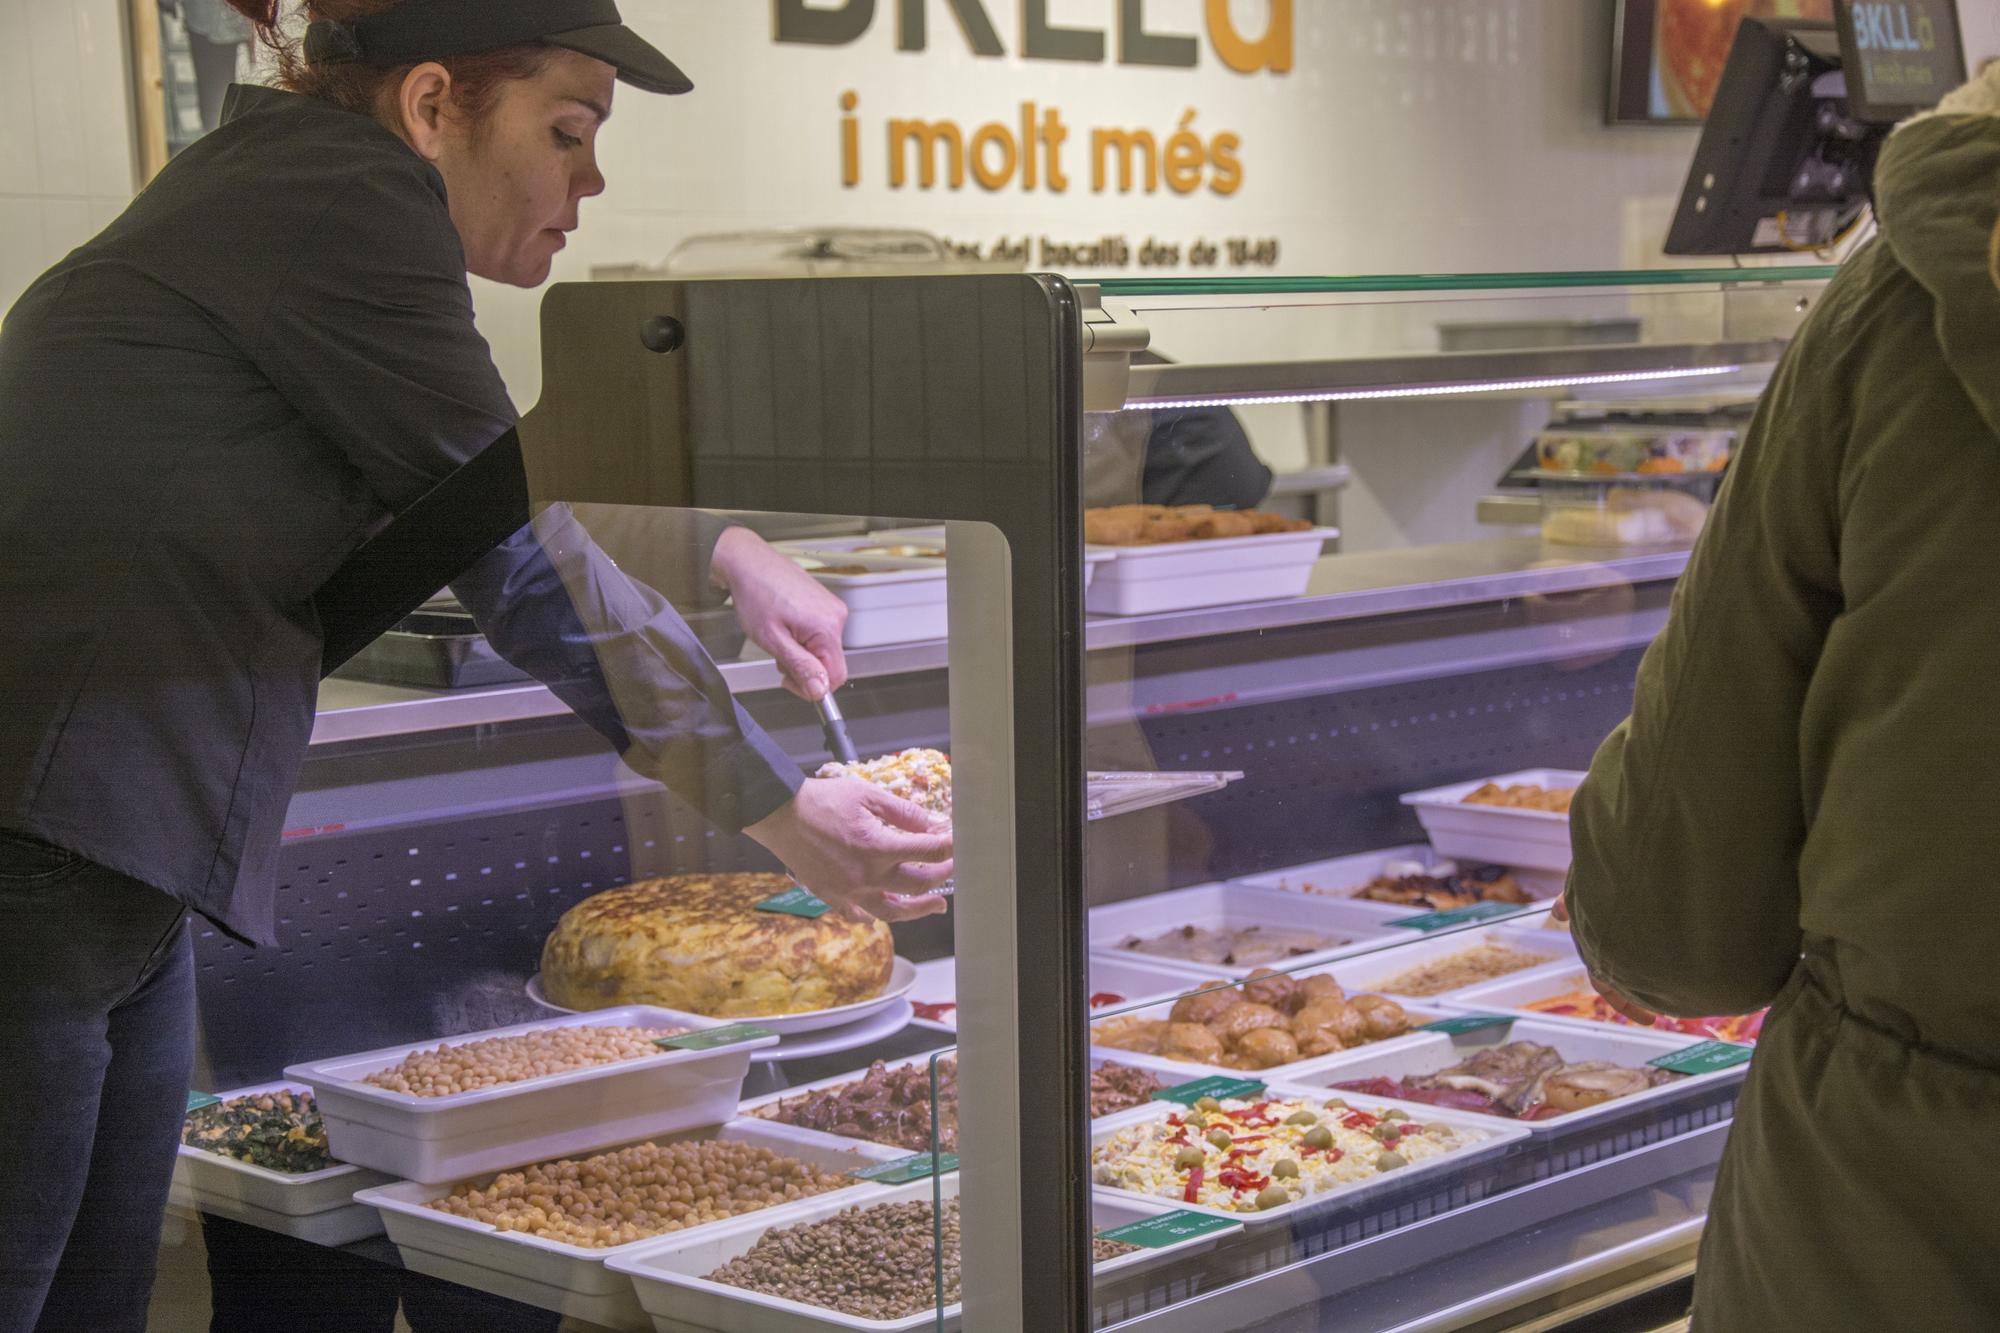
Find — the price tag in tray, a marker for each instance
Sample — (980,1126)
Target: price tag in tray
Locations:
(906,1169)
(1156,1233)
(1459,916)
(707,1039)
(1451,1027)
(1704,1058)
(795,901)
(198,1100)
(1218,1086)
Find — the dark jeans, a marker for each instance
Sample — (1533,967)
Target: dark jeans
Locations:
(96,1046)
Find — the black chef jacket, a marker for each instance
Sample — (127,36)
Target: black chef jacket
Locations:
(203,411)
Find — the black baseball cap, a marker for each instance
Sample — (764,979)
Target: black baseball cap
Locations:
(419,30)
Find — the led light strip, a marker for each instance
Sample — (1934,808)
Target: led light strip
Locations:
(1430,391)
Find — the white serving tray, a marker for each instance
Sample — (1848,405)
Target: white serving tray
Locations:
(1131,979)
(1420,1011)
(315,1206)
(902,976)
(573,1279)
(1496,834)
(1219,905)
(1368,972)
(557,1115)
(669,1275)
(897,601)
(1512,995)
(1343,874)
(1179,576)
(1501,1135)
(1631,1047)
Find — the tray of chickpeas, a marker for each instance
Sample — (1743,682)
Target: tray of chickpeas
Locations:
(542,1233)
(487,1101)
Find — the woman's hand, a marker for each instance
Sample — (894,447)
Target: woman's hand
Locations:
(860,848)
(785,612)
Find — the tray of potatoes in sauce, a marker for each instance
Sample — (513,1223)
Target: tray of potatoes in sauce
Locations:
(1269,1020)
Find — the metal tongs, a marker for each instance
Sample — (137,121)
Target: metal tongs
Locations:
(834,727)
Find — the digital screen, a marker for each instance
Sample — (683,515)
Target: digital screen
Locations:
(1671,53)
(1900,56)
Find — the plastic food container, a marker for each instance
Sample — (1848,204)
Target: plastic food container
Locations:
(1114,982)
(1368,972)
(1616,451)
(1222,906)
(888,601)
(1179,576)
(316,1206)
(574,1279)
(1500,1135)
(1344,874)
(670,1275)
(1186,1071)
(1493,834)
(1513,995)
(1638,511)
(1631,1047)
(433,1139)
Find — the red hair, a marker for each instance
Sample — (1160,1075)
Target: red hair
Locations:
(365,89)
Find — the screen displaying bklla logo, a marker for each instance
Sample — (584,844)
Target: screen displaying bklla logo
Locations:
(1040,39)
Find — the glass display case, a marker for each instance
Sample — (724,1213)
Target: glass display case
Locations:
(1249,1009)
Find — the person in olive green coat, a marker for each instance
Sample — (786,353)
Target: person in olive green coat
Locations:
(1803,810)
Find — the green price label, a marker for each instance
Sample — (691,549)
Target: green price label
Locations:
(906,1169)
(1451,1027)
(1704,1058)
(1156,1233)
(709,1038)
(198,1100)
(1457,917)
(1218,1086)
(795,901)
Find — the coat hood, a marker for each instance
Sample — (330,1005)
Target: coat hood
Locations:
(1937,195)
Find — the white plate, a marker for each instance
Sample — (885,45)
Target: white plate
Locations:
(1500,1135)
(1179,576)
(1224,905)
(879,1026)
(1631,1047)
(902,976)
(670,1275)
(573,1279)
(316,1206)
(1498,834)
(1132,980)
(555,1115)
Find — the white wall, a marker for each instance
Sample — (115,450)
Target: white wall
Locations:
(66,152)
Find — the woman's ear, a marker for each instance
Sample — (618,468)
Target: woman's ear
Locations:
(420,109)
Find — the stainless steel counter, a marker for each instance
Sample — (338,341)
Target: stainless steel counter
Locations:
(1343,587)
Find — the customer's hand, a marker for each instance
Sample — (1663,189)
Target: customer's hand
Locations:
(860,848)
(785,612)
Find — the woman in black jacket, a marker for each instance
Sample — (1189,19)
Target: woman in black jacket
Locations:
(203,412)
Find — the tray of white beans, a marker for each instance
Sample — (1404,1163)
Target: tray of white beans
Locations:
(487,1101)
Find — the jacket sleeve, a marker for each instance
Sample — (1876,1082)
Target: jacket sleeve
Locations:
(378,349)
(612,649)
(1686,834)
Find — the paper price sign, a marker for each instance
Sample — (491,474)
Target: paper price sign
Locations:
(795,901)
(1451,1027)
(1440,920)
(906,1169)
(710,1038)
(1156,1233)
(1704,1058)
(1218,1086)
(198,1100)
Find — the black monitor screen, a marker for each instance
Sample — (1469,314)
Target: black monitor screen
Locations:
(1900,56)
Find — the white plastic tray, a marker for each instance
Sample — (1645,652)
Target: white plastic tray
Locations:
(897,601)
(1497,834)
(557,1115)
(1368,972)
(1512,995)
(670,1276)
(1420,1011)
(316,1206)
(1501,1135)
(1343,874)
(1132,980)
(902,976)
(1220,905)
(1179,576)
(1631,1047)
(573,1279)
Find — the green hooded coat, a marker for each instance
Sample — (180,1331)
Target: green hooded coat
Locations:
(1804,808)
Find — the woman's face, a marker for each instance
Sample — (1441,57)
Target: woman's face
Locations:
(516,177)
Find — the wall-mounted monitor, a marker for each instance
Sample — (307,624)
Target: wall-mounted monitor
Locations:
(1900,57)
(1669,55)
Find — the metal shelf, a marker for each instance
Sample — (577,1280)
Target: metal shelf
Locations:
(1343,587)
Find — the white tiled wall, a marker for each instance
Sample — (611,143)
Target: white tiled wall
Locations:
(66,144)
